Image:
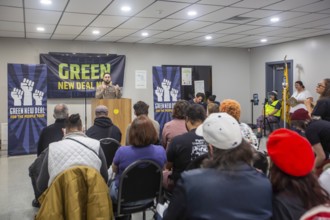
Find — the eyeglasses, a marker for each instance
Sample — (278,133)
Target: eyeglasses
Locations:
(320,85)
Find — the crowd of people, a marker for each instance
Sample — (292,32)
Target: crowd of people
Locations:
(212,166)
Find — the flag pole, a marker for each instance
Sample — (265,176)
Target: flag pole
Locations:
(284,95)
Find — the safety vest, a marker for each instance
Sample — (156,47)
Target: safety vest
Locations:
(269,108)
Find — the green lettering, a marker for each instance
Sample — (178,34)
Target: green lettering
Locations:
(105,68)
(63,71)
(74,71)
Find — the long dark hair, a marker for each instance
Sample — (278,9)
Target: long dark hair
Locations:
(326,92)
(306,188)
(229,159)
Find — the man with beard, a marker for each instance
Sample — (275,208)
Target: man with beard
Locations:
(106,90)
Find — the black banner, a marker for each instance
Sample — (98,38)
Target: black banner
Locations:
(77,75)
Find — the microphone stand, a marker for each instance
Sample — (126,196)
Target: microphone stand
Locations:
(85,109)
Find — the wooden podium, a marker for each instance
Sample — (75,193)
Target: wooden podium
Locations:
(120,112)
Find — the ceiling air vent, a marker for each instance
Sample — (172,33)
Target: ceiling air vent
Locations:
(240,19)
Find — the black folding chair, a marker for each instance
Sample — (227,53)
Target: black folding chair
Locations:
(109,147)
(139,185)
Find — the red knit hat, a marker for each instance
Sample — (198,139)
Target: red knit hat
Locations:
(300,114)
(290,152)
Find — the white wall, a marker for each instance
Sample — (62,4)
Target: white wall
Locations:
(312,55)
(230,68)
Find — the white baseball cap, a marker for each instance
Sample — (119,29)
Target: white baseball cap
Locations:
(221,130)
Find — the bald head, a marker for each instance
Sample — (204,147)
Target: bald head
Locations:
(101,111)
(61,111)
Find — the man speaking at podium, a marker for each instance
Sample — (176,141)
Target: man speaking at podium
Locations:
(106,90)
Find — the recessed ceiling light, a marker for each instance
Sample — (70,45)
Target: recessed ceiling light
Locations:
(125,8)
(46,2)
(192,13)
(40,29)
(263,40)
(145,34)
(208,37)
(274,19)
(96,32)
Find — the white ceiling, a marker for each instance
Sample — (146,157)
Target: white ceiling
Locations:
(167,21)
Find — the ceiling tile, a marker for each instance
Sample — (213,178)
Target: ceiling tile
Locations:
(64,36)
(166,24)
(326,11)
(161,9)
(261,13)
(32,28)
(191,25)
(150,32)
(315,24)
(111,39)
(150,40)
(130,39)
(169,34)
(187,42)
(11,14)
(11,34)
(121,32)
(288,5)
(88,7)
(214,36)
(282,16)
(169,41)
(57,5)
(184,1)
(301,20)
(260,30)
(138,23)
(188,36)
(219,2)
(255,3)
(229,38)
(136,7)
(238,29)
(87,37)
(223,14)
(89,31)
(315,7)
(38,35)
(215,27)
(14,3)
(46,17)
(283,31)
(200,11)
(108,21)
(76,19)
(11,26)
(68,30)
(300,32)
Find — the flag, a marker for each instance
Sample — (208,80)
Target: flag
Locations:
(286,96)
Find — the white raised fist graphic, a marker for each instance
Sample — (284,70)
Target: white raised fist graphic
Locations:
(159,92)
(38,95)
(27,87)
(166,85)
(174,94)
(17,95)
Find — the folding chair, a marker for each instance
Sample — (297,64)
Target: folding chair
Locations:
(109,147)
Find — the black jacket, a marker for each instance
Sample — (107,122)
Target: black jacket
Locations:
(103,128)
(50,134)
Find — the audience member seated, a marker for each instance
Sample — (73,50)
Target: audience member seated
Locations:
(103,126)
(177,125)
(321,110)
(271,112)
(142,135)
(74,150)
(212,108)
(199,97)
(233,108)
(141,108)
(297,100)
(227,187)
(295,187)
(324,178)
(49,134)
(186,147)
(211,99)
(318,134)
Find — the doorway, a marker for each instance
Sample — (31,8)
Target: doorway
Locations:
(275,77)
